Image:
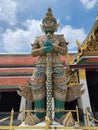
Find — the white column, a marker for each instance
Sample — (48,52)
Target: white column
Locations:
(22,106)
(84,100)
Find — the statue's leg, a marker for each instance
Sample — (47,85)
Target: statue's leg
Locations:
(59,91)
(38,92)
(59,106)
(40,106)
(39,115)
(62,117)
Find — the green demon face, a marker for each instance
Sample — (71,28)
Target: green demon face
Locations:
(49,26)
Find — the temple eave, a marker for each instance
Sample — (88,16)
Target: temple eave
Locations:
(84,66)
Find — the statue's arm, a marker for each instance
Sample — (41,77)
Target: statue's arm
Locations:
(26,92)
(61,47)
(36,49)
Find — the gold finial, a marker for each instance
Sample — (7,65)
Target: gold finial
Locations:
(49,15)
(49,11)
(97,12)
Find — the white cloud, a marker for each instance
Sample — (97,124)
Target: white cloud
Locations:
(89,3)
(33,26)
(8,9)
(20,40)
(72,34)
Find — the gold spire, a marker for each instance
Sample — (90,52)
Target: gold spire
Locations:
(49,23)
(49,16)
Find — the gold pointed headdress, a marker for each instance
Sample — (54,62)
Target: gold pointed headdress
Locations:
(49,23)
(49,16)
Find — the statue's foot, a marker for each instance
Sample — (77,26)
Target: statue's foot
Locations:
(66,120)
(32,119)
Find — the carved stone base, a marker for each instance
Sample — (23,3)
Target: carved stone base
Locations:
(32,119)
(66,120)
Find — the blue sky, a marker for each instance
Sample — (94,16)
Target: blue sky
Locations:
(20,22)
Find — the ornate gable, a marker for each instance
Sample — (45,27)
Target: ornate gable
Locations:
(90,45)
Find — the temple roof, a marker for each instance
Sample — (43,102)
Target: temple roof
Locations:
(87,56)
(16,69)
(90,62)
(17,60)
(89,47)
(12,83)
(23,60)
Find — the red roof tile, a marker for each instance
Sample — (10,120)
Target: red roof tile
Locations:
(16,70)
(8,81)
(23,59)
(13,60)
(17,60)
(92,60)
